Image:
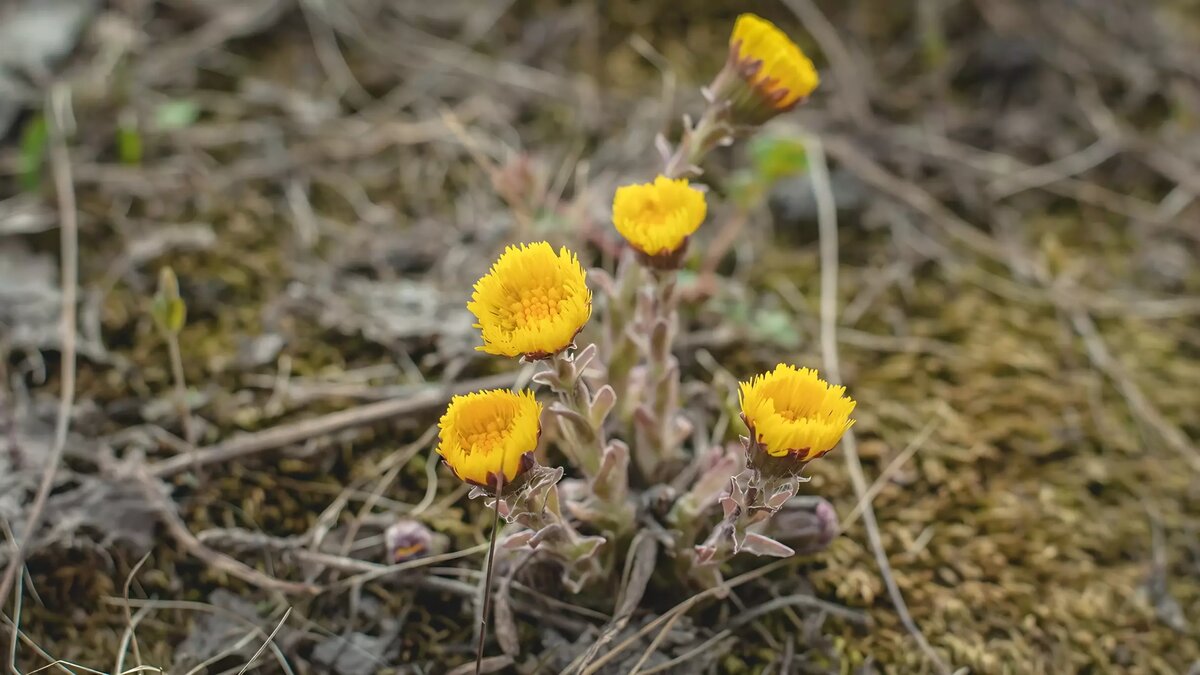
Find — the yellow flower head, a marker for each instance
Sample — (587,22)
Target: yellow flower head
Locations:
(657,218)
(766,58)
(792,412)
(487,434)
(532,303)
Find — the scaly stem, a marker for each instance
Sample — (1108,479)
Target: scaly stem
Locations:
(583,439)
(710,131)
(620,349)
(657,419)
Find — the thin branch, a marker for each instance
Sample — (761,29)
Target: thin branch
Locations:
(178,530)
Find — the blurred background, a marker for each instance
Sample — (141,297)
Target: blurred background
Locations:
(1016,185)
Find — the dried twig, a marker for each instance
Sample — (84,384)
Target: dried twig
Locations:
(179,531)
(287,434)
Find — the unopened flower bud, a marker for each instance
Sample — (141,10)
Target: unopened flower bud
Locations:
(658,218)
(806,524)
(406,539)
(169,310)
(766,73)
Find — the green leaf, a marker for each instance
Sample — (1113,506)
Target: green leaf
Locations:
(35,137)
(776,327)
(777,157)
(175,115)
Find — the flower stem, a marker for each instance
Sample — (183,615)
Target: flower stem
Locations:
(487,584)
(710,131)
(181,404)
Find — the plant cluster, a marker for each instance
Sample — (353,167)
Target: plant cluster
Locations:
(615,412)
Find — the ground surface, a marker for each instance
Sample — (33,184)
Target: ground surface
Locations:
(1019,308)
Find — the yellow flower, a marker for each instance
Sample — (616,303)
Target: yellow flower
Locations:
(532,303)
(792,412)
(487,434)
(777,72)
(657,218)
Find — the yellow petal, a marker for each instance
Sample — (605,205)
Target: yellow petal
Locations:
(485,433)
(657,218)
(533,302)
(792,411)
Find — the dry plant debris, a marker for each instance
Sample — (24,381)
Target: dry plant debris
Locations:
(1019,290)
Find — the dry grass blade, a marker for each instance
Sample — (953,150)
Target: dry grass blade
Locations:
(689,654)
(266,642)
(130,638)
(890,470)
(60,127)
(827,223)
(187,605)
(681,608)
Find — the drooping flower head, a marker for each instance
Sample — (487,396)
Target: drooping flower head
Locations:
(766,73)
(486,437)
(532,303)
(657,218)
(795,415)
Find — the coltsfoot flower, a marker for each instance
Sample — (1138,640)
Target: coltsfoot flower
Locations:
(657,218)
(766,73)
(487,437)
(532,303)
(794,416)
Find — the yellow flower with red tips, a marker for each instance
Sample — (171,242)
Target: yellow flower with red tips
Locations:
(532,303)
(774,73)
(485,437)
(657,218)
(793,413)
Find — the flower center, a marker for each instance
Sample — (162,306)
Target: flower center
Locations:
(531,306)
(794,403)
(485,439)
